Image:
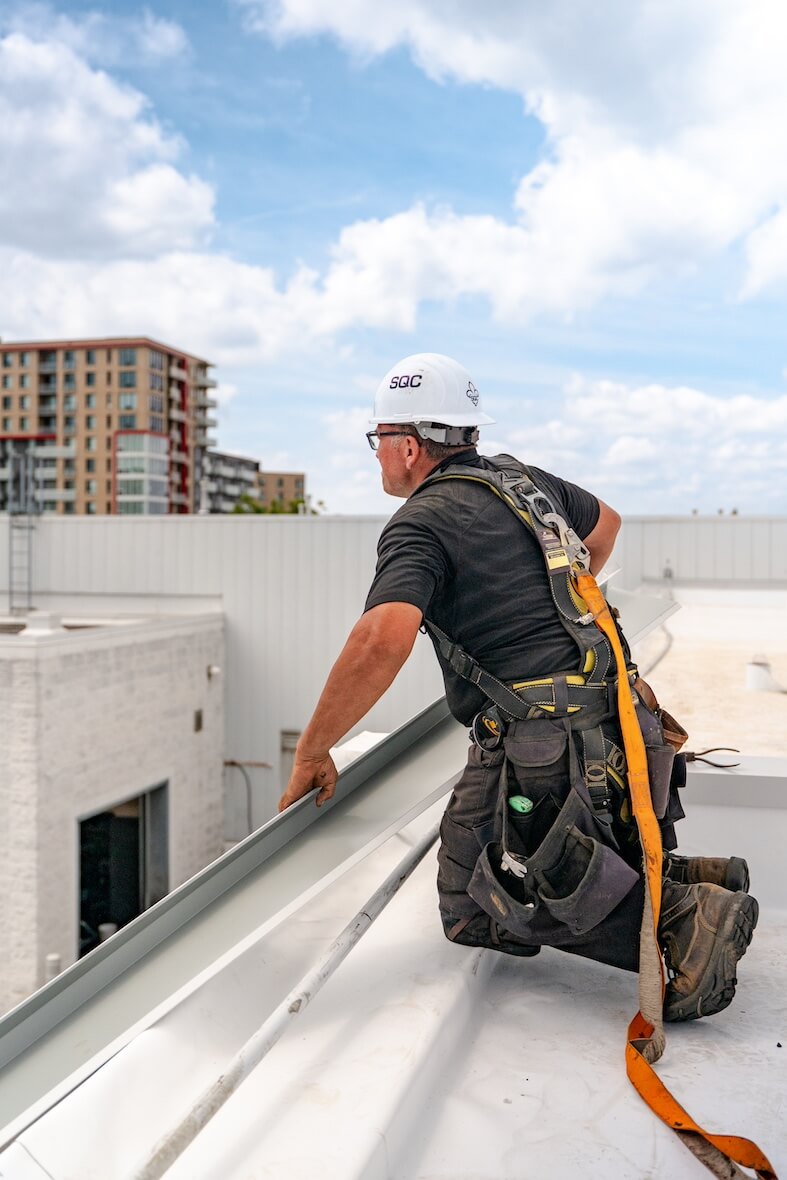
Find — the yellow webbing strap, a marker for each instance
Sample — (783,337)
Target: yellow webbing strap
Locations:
(719,1153)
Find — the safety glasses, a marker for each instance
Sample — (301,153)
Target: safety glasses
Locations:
(374,436)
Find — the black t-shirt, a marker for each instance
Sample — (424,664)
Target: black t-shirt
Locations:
(462,557)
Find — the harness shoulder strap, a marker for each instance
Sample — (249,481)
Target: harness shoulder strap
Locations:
(564,555)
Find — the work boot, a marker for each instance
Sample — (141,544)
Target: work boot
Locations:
(732,873)
(704,929)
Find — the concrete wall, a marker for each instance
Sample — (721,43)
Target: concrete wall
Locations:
(90,719)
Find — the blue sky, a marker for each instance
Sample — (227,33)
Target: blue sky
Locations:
(589,212)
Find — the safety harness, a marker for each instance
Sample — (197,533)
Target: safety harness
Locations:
(589,620)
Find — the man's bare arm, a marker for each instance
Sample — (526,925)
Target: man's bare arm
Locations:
(601,540)
(375,651)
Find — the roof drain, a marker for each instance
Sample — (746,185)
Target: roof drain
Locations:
(174,1142)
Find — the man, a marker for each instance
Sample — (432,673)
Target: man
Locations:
(538,843)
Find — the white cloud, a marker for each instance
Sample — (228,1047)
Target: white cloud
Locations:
(88,172)
(662,448)
(661,126)
(96,36)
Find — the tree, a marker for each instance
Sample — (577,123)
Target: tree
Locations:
(248,504)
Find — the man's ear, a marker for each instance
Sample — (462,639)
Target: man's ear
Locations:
(413,450)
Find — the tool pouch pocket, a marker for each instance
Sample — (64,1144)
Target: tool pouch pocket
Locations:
(536,766)
(660,756)
(586,883)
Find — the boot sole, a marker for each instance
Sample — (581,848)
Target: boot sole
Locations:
(716,989)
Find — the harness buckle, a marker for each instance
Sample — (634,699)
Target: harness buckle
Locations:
(487,729)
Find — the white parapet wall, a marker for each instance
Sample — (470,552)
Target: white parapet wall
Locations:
(92,719)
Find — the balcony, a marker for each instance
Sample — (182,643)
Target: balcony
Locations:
(55,452)
(203,402)
(47,366)
(205,382)
(177,414)
(178,456)
(178,373)
(179,498)
(55,495)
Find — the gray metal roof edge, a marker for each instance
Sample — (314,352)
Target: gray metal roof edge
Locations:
(76,985)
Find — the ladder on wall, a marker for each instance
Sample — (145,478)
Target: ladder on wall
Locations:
(21,509)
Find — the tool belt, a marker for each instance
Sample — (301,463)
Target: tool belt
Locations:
(575,854)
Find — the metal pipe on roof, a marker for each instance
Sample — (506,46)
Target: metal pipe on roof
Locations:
(174,1143)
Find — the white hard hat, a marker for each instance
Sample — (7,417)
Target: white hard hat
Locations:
(428,387)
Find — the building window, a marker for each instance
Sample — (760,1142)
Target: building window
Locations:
(156,404)
(90,443)
(128,380)
(90,422)
(90,487)
(69,359)
(90,508)
(23,424)
(68,465)
(8,381)
(7,425)
(156,359)
(90,465)
(128,356)
(69,424)
(24,402)
(109,377)
(109,464)
(69,508)
(8,360)
(109,356)
(157,424)
(109,421)
(24,359)
(24,381)
(69,381)
(90,401)
(127,401)
(69,402)
(6,402)
(90,378)
(128,421)
(90,356)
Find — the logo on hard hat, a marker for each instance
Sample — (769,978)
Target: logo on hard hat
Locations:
(472,393)
(405,380)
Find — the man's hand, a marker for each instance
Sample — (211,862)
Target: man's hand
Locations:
(310,771)
(377,646)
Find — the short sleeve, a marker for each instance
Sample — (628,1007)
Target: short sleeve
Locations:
(412,564)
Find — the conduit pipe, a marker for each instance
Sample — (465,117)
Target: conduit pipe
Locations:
(173,1143)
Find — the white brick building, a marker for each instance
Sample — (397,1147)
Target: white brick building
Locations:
(110,780)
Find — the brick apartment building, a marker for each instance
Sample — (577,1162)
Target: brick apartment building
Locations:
(281,487)
(117,425)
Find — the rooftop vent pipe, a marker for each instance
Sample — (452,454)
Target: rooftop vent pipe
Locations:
(759,677)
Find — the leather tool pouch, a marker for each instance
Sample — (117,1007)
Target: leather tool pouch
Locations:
(661,756)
